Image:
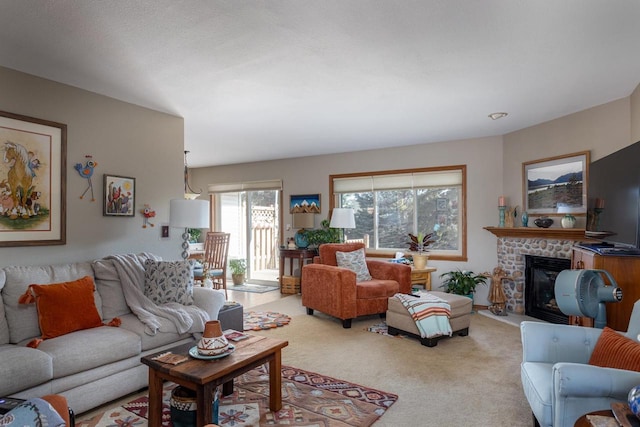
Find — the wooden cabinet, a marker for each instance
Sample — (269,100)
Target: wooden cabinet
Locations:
(626,272)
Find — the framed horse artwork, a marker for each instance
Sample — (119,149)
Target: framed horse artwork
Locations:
(32,181)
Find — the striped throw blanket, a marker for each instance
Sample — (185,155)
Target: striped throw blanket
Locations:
(430,313)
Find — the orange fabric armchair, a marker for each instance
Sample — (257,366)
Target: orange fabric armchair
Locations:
(334,291)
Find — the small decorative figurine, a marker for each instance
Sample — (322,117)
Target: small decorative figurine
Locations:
(86,172)
(147,214)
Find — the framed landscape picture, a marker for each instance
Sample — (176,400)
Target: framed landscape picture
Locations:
(556,185)
(119,195)
(32,181)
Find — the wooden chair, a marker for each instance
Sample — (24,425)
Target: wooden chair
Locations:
(216,250)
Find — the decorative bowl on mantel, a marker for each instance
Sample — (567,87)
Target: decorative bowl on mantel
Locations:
(543,222)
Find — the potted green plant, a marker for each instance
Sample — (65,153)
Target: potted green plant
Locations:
(238,267)
(325,234)
(419,245)
(462,282)
(194,235)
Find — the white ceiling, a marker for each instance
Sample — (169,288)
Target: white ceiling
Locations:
(257,80)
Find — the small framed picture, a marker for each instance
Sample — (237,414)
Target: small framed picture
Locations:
(305,203)
(119,196)
(442,204)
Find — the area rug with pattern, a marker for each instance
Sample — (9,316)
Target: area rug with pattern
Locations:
(259,320)
(250,287)
(308,399)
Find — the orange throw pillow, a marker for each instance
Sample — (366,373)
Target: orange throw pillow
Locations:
(64,307)
(616,351)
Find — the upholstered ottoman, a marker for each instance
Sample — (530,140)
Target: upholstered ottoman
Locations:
(399,320)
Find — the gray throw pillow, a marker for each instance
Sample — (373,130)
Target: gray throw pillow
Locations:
(169,281)
(354,261)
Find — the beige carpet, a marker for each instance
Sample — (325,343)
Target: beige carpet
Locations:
(463,381)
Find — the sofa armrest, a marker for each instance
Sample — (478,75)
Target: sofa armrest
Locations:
(386,270)
(210,300)
(553,343)
(332,290)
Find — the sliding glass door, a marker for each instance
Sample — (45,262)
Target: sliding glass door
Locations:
(252,219)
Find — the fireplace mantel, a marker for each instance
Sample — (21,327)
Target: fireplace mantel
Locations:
(539,233)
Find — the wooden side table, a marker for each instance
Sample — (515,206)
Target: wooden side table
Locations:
(422,277)
(302,255)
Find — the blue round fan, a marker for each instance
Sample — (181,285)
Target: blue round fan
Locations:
(584,293)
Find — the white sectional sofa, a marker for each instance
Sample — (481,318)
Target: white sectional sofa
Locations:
(89,367)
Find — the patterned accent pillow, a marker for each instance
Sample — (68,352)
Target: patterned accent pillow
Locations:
(32,412)
(354,261)
(169,281)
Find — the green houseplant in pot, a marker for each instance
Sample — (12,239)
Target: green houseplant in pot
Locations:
(325,234)
(419,245)
(462,282)
(238,269)
(194,235)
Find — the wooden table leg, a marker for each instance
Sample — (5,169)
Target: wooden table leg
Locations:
(281,270)
(204,402)
(155,399)
(227,388)
(275,382)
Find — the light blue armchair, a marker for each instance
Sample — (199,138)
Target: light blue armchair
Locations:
(559,383)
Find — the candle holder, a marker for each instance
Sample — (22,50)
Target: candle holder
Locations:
(502,211)
(593,219)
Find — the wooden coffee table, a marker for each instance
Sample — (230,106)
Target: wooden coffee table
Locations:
(203,376)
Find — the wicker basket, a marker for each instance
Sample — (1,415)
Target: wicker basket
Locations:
(290,285)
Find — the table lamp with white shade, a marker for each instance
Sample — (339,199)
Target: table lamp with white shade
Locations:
(342,218)
(186,214)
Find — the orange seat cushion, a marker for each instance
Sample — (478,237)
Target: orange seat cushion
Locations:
(376,288)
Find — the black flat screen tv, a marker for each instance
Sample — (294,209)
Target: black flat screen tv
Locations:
(616,179)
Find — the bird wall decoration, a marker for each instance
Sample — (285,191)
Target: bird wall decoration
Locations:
(147,214)
(86,171)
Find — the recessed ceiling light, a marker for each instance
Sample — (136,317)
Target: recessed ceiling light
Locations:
(496,116)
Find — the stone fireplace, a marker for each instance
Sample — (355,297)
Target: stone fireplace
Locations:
(514,244)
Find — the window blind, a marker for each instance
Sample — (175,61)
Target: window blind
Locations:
(397,181)
(234,187)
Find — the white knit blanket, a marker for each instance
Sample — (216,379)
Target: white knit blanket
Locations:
(185,318)
(430,313)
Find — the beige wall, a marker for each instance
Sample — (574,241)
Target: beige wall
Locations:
(494,168)
(600,130)
(132,141)
(309,175)
(635,115)
(125,140)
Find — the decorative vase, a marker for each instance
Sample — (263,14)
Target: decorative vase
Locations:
(634,400)
(420,261)
(213,341)
(301,240)
(525,219)
(568,221)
